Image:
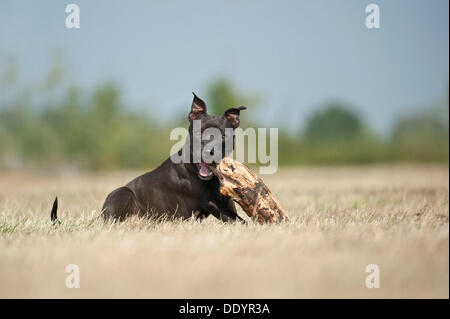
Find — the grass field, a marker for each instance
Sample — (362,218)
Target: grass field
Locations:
(342,219)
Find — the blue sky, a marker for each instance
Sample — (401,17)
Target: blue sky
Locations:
(296,54)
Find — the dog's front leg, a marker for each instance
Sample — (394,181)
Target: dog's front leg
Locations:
(230,205)
(225,214)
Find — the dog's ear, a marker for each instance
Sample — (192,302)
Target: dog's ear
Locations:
(198,108)
(232,115)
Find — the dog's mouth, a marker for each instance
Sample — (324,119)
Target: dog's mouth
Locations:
(204,171)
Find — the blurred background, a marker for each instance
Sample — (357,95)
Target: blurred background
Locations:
(106,96)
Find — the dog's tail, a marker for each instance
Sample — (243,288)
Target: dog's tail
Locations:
(53,215)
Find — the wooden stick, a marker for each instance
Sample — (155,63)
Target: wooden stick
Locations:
(249,191)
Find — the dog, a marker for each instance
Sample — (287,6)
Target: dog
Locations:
(178,190)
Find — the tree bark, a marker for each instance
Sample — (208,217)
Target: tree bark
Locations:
(249,191)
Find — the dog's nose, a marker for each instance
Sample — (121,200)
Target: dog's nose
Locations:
(211,152)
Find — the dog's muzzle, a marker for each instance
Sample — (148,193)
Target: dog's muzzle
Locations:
(204,172)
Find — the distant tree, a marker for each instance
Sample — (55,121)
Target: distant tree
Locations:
(420,128)
(222,95)
(423,136)
(335,122)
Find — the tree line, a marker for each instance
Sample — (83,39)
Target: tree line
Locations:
(68,126)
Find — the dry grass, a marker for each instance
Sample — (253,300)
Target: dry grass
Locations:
(342,219)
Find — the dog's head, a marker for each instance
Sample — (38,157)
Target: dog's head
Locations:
(214,135)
